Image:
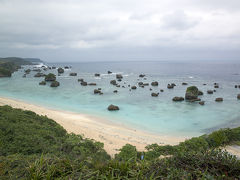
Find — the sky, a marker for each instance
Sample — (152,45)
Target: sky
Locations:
(120,30)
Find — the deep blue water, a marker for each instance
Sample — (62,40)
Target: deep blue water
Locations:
(137,108)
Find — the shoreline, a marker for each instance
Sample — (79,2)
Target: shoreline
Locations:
(114,136)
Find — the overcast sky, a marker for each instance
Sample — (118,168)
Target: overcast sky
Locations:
(113,30)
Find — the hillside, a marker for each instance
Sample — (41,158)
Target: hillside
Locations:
(10,64)
(35,147)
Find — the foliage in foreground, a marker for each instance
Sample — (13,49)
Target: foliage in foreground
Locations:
(35,147)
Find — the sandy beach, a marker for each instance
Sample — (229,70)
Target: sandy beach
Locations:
(113,136)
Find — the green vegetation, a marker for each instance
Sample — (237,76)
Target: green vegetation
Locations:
(50,77)
(35,147)
(192,89)
(11,64)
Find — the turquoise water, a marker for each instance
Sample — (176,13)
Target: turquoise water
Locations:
(137,108)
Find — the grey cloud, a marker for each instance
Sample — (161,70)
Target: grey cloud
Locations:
(178,20)
(115,29)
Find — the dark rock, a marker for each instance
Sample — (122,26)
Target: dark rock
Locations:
(73,74)
(80,80)
(99,88)
(146,84)
(236,86)
(154,94)
(184,83)
(133,87)
(96,74)
(45,69)
(200,93)
(219,99)
(155,83)
(119,80)
(50,77)
(202,103)
(42,83)
(53,67)
(178,99)
(238,96)
(118,85)
(119,76)
(140,83)
(191,93)
(214,90)
(66,67)
(84,83)
(115,91)
(92,84)
(55,84)
(216,86)
(194,100)
(113,108)
(60,70)
(142,75)
(96,91)
(109,72)
(170,86)
(204,84)
(113,82)
(123,86)
(210,91)
(40,75)
(27,71)
(150,89)
(161,90)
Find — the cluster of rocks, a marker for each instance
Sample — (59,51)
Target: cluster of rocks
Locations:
(98,91)
(192,93)
(84,83)
(171,86)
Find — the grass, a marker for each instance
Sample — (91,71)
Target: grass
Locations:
(35,147)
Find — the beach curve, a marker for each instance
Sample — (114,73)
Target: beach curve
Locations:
(114,136)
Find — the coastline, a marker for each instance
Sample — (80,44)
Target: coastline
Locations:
(114,136)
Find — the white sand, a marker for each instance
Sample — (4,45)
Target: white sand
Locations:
(234,150)
(113,136)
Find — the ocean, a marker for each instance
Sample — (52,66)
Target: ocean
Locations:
(138,109)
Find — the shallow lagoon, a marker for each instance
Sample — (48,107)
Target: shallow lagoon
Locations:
(137,108)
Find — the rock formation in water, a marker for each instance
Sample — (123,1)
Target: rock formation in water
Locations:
(113,108)
(50,77)
(191,93)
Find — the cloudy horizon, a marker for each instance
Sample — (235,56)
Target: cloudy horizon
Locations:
(113,30)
